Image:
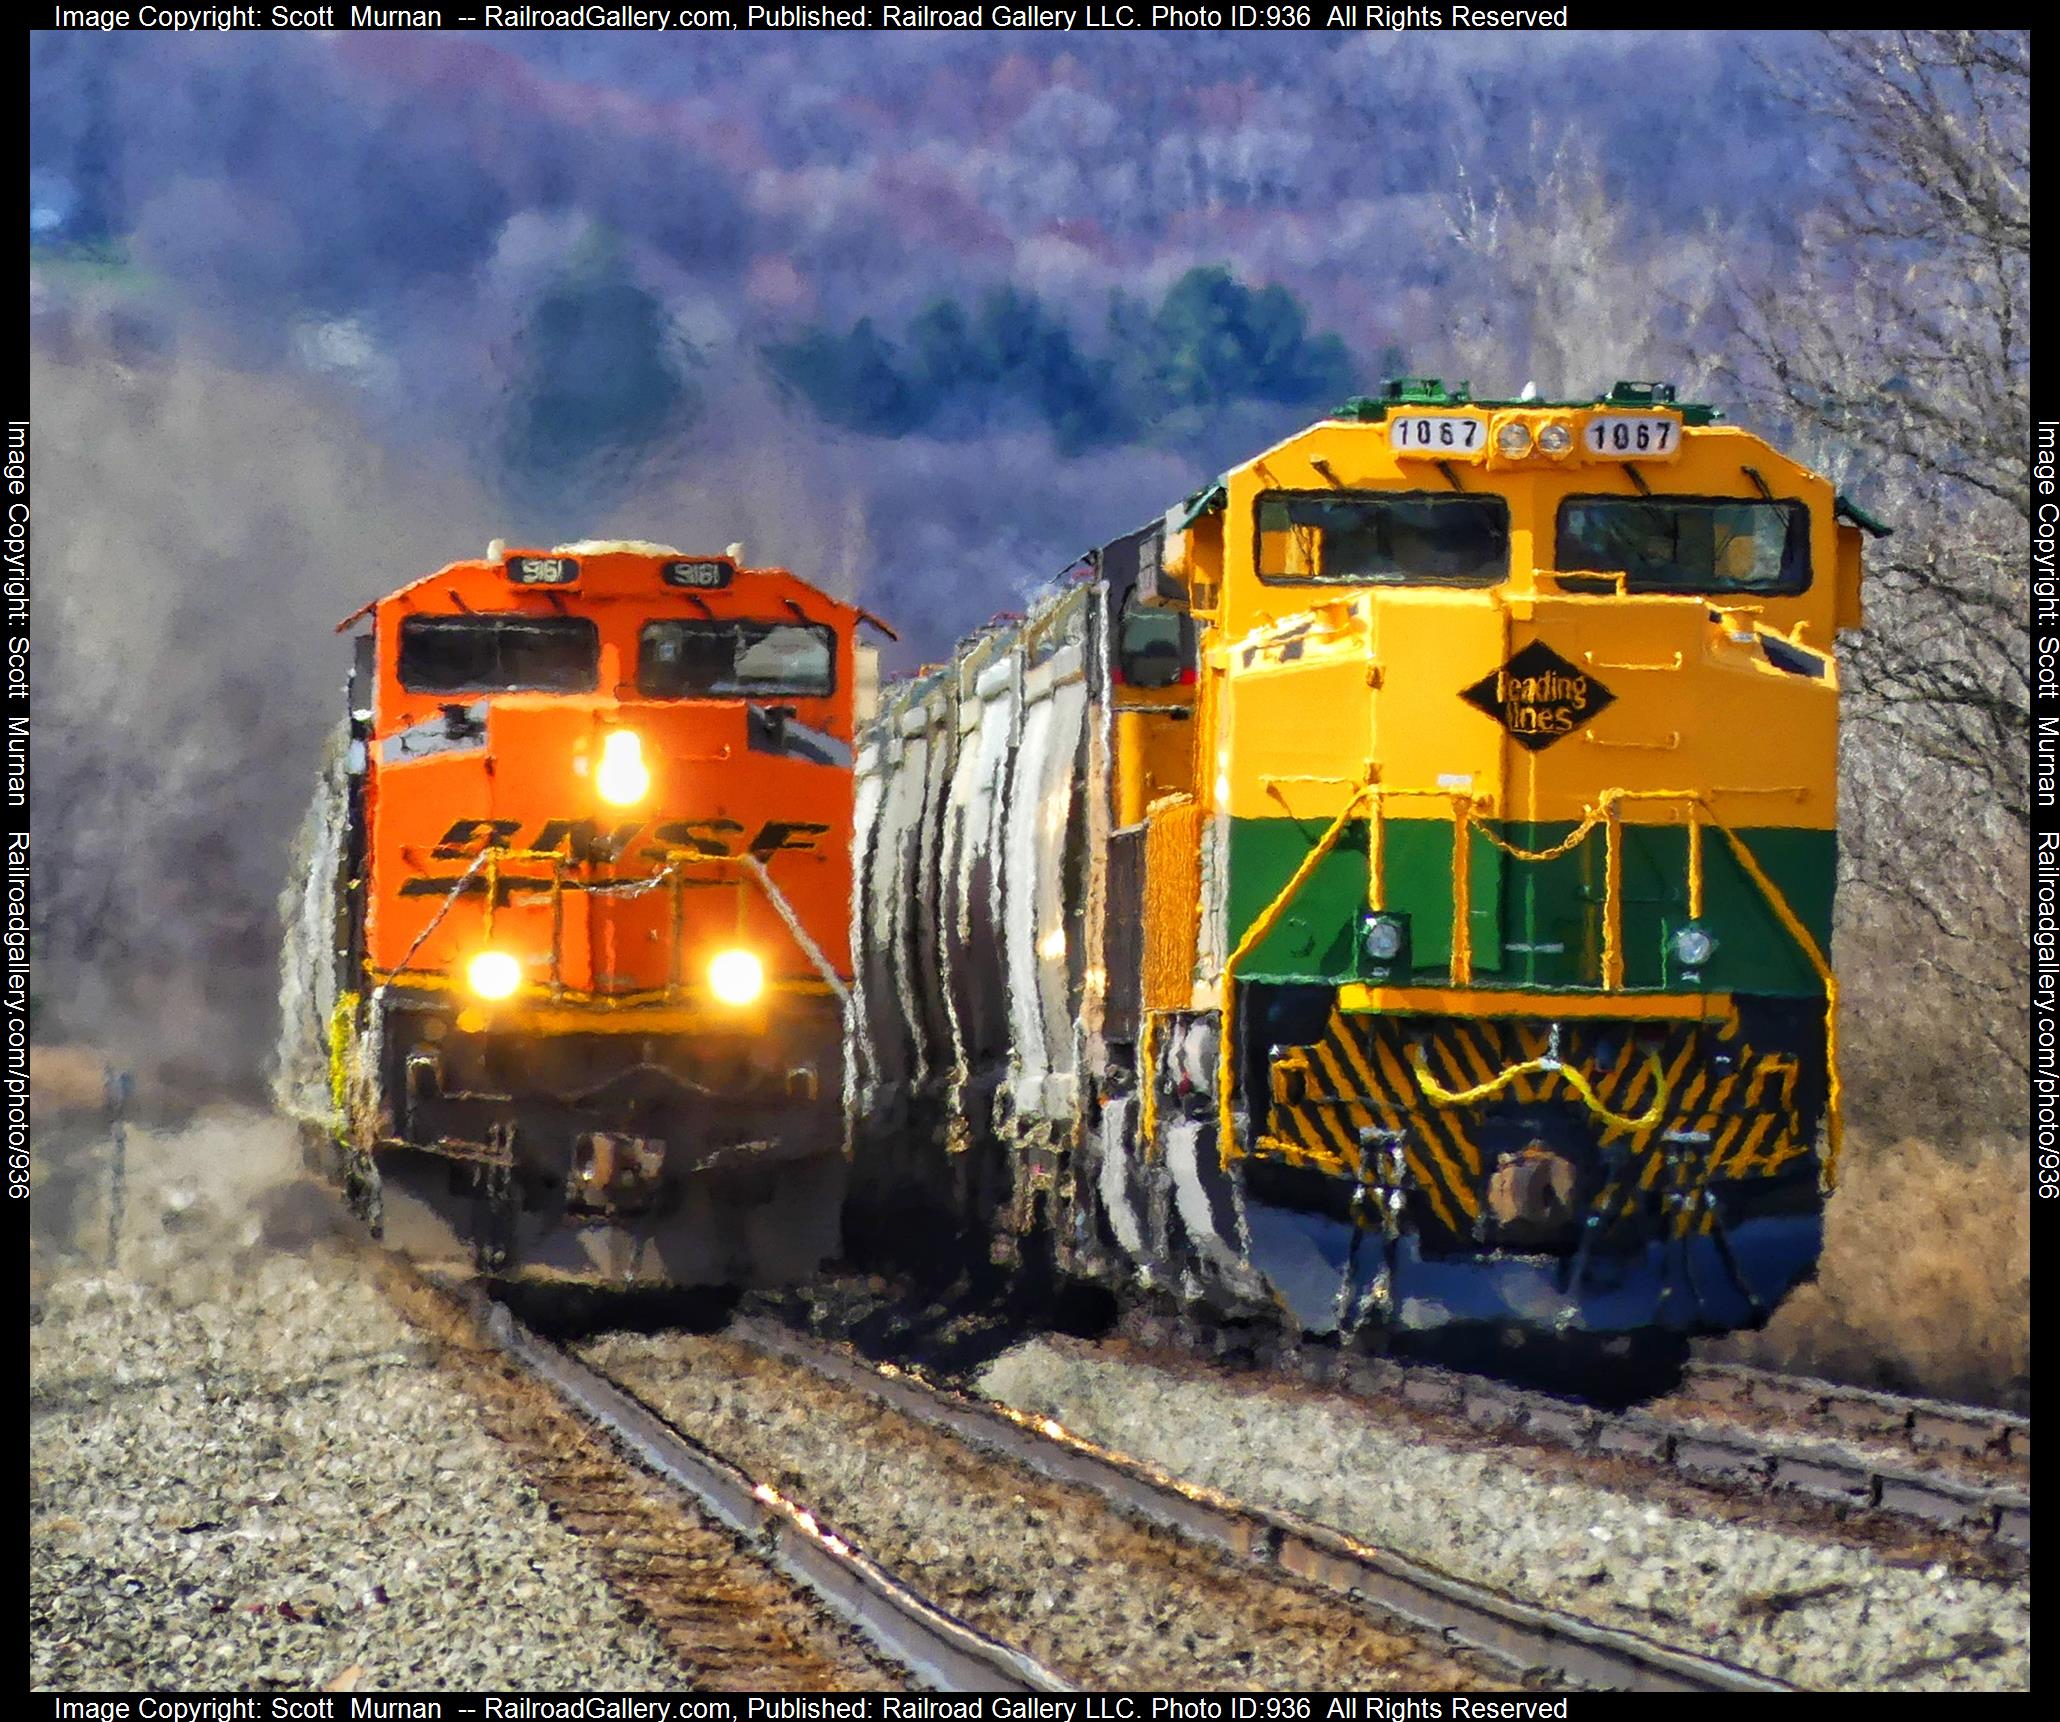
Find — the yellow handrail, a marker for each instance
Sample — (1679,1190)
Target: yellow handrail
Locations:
(1549,1062)
(1834,1110)
(1226,1036)
(1606,812)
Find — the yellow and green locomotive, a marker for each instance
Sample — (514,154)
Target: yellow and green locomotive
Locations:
(1394,886)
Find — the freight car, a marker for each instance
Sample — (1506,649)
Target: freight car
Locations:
(567,953)
(1394,887)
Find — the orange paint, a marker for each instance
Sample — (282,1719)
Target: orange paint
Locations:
(523,806)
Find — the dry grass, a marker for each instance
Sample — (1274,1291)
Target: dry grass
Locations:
(1926,1278)
(66,1079)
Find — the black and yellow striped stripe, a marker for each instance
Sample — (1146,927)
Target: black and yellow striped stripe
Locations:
(1354,1086)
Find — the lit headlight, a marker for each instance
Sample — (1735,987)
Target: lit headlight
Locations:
(1385,937)
(623,779)
(493,974)
(1513,440)
(736,977)
(1555,438)
(1694,945)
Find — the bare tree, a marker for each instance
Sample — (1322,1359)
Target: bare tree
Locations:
(1901,340)
(1896,343)
(1549,284)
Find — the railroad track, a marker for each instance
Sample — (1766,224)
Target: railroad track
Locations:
(934,1645)
(2000,1440)
(727,1625)
(1533,1644)
(1964,1470)
(937,1645)
(1799,1441)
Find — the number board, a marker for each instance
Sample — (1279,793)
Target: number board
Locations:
(1629,436)
(1437,436)
(542,570)
(707,576)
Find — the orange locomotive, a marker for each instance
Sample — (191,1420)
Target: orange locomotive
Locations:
(567,970)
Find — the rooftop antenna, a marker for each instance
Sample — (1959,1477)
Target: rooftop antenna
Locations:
(736,552)
(1530,392)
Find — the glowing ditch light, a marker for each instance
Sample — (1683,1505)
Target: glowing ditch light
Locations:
(623,779)
(493,974)
(736,977)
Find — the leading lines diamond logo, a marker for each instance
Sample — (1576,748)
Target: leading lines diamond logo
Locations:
(1538,696)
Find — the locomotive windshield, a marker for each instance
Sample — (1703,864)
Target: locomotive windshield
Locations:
(500,654)
(1373,539)
(1688,544)
(735,659)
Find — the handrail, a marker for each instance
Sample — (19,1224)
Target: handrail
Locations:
(1226,1036)
(1549,1062)
(1605,811)
(493,857)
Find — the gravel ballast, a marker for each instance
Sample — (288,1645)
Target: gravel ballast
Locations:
(1106,1602)
(246,1472)
(1815,1612)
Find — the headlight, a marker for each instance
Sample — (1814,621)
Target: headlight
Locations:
(1386,935)
(493,974)
(736,977)
(1694,945)
(1513,440)
(623,778)
(1555,438)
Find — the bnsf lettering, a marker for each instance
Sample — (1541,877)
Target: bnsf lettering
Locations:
(469,836)
(584,840)
(786,834)
(702,836)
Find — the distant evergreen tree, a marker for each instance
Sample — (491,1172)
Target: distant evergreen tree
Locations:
(851,380)
(1032,358)
(1215,339)
(1211,341)
(945,356)
(596,380)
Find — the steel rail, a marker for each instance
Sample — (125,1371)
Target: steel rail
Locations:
(1924,1425)
(1738,1457)
(1528,1639)
(938,1648)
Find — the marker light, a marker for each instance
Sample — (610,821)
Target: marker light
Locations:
(1694,946)
(1385,937)
(494,974)
(1513,440)
(623,778)
(736,977)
